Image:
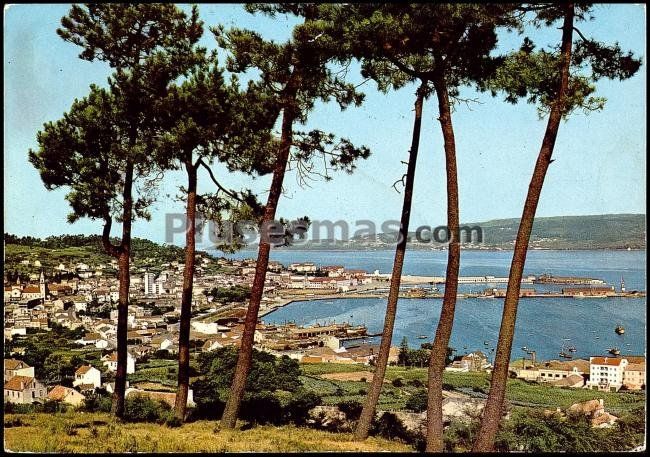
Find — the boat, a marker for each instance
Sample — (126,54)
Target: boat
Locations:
(614,351)
(597,337)
(422,337)
(619,329)
(564,355)
(524,349)
(572,349)
(486,343)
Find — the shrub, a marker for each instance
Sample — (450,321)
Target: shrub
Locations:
(418,401)
(389,426)
(297,409)
(261,408)
(351,409)
(142,408)
(364,379)
(397,382)
(418,383)
(363,391)
(95,402)
(51,406)
(208,403)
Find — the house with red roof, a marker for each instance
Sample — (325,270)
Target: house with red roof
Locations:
(66,395)
(24,390)
(606,373)
(87,375)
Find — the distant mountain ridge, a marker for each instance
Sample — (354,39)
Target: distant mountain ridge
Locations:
(604,231)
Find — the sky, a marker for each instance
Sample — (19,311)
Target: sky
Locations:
(599,167)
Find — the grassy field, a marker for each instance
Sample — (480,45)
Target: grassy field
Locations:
(94,433)
(518,391)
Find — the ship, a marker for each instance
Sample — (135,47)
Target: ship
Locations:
(572,349)
(619,329)
(614,351)
(565,355)
(422,337)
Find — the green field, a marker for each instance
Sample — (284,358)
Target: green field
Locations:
(476,384)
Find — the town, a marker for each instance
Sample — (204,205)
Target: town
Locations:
(82,298)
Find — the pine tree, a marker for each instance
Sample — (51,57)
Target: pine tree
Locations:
(207,119)
(545,78)
(296,72)
(102,144)
(445,46)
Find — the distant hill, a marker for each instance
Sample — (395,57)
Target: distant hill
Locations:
(605,231)
(21,253)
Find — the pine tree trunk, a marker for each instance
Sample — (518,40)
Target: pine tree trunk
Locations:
(124,262)
(231,411)
(493,408)
(445,324)
(370,405)
(186,301)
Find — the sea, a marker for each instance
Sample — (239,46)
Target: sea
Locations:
(544,325)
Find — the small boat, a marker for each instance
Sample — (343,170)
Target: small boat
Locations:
(614,351)
(422,337)
(597,337)
(564,355)
(619,329)
(524,349)
(572,349)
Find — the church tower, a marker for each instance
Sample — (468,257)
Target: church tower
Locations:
(42,285)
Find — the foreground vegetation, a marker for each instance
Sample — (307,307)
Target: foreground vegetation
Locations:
(98,432)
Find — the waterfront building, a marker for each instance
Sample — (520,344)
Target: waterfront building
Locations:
(606,373)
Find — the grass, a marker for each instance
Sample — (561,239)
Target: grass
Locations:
(517,391)
(75,432)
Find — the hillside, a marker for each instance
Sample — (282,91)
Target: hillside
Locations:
(606,231)
(74,249)
(99,433)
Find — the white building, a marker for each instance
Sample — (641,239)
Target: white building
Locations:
(89,375)
(606,373)
(110,361)
(148,283)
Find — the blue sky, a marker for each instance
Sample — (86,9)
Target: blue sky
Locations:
(599,159)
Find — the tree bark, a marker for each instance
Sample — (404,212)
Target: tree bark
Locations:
(438,356)
(124,261)
(493,408)
(370,405)
(180,406)
(231,411)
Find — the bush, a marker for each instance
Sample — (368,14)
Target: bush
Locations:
(397,382)
(95,402)
(16,408)
(142,408)
(261,408)
(364,379)
(390,427)
(417,383)
(51,406)
(297,409)
(363,391)
(351,409)
(208,403)
(418,401)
